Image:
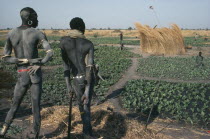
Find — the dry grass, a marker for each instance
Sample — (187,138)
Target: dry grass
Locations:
(135,130)
(112,33)
(190,33)
(106,124)
(109,33)
(161,41)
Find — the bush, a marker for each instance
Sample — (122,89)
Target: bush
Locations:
(95,35)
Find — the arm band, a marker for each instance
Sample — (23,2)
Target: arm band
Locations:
(89,65)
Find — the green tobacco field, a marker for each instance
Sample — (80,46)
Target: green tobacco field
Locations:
(187,102)
(174,68)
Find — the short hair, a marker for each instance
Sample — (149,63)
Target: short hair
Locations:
(26,13)
(77,23)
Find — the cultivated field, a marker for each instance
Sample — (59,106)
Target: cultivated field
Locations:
(172,90)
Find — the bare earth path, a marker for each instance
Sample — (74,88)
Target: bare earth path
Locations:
(115,90)
(168,127)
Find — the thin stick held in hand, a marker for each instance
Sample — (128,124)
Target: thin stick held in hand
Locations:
(70,112)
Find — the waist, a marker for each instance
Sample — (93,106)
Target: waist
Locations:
(79,76)
(23,70)
(22,65)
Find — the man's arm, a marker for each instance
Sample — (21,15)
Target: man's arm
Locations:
(7,53)
(66,69)
(90,64)
(48,56)
(47,47)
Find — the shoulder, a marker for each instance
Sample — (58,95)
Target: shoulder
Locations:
(88,41)
(65,40)
(85,41)
(34,30)
(41,35)
(14,30)
(88,44)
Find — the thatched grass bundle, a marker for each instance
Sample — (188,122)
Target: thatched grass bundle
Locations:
(161,41)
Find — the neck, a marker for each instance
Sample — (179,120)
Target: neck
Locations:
(25,24)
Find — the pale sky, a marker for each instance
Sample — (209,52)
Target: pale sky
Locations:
(191,14)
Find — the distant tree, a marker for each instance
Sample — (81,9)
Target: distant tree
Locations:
(130,28)
(108,28)
(207,29)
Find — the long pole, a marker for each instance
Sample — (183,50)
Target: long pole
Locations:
(153,100)
(149,116)
(70,112)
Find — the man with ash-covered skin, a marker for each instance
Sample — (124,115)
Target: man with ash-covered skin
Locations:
(24,41)
(74,48)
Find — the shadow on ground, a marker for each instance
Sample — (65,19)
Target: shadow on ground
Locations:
(23,111)
(105,124)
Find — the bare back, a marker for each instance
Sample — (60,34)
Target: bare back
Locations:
(24,41)
(74,51)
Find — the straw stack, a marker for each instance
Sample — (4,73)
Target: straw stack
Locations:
(161,41)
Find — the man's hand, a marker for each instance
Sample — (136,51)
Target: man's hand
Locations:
(35,61)
(33,69)
(85,99)
(70,89)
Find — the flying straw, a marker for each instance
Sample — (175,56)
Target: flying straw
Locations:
(155,13)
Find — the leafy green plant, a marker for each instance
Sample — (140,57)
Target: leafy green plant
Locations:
(2,43)
(114,40)
(15,129)
(53,38)
(199,42)
(95,35)
(183,101)
(174,68)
